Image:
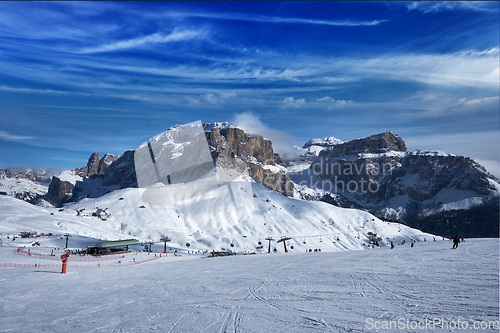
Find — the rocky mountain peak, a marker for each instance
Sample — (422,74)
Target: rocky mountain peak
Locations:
(228,143)
(374,144)
(60,192)
(93,164)
(417,188)
(105,162)
(326,142)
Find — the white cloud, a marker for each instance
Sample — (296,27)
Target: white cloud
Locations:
(492,166)
(156,38)
(276,19)
(433,7)
(282,141)
(289,102)
(192,101)
(212,99)
(326,99)
(226,95)
(456,69)
(42,91)
(481,102)
(10,137)
(209,98)
(331,103)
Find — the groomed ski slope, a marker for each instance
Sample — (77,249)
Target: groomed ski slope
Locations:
(348,291)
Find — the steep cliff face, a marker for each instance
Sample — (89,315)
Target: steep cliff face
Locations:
(96,165)
(93,164)
(119,174)
(417,188)
(253,153)
(60,192)
(105,162)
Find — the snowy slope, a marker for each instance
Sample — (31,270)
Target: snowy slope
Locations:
(212,221)
(69,176)
(296,292)
(21,187)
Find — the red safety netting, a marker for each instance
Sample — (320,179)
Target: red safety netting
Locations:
(17,265)
(22,251)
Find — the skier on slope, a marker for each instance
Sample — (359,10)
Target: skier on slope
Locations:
(456,240)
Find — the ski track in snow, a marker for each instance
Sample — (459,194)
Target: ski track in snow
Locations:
(294,292)
(279,292)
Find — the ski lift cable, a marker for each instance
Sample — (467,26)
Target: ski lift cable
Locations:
(336,233)
(296,237)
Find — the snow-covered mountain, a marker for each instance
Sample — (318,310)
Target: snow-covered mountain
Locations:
(212,221)
(375,174)
(22,186)
(419,188)
(228,145)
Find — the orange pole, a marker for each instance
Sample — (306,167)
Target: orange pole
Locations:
(63,269)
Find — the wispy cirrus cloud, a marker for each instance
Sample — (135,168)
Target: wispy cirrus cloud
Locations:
(433,7)
(278,19)
(4,135)
(468,67)
(42,91)
(156,38)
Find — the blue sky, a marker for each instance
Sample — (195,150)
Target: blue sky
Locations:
(79,77)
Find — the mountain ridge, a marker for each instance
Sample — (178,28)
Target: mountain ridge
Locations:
(417,188)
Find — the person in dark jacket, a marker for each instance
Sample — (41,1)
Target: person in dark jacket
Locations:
(456,240)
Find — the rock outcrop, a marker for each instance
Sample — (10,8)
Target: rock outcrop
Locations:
(96,165)
(60,192)
(253,153)
(105,162)
(374,144)
(326,142)
(120,173)
(93,164)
